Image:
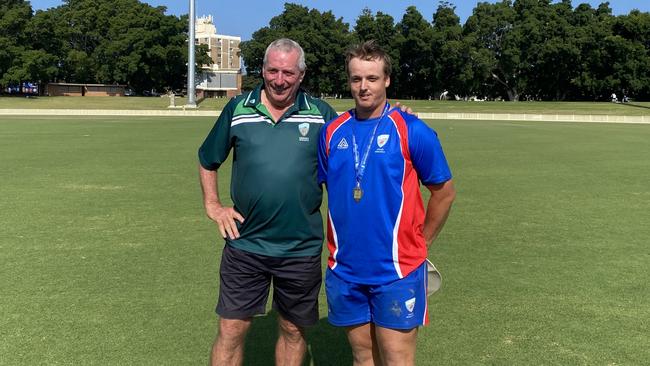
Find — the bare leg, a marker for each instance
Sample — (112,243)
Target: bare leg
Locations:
(291,346)
(228,347)
(365,351)
(397,347)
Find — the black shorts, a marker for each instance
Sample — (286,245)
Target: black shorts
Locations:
(246,278)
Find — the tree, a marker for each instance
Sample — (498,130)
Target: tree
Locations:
(114,42)
(449,53)
(32,65)
(632,62)
(322,36)
(144,47)
(557,55)
(507,37)
(381,28)
(416,77)
(592,28)
(365,28)
(249,82)
(512,48)
(14,17)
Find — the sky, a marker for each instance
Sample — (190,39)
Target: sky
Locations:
(241,21)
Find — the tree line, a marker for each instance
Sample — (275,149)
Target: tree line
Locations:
(94,41)
(513,50)
(526,49)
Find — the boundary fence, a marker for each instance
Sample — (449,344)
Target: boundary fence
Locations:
(593,118)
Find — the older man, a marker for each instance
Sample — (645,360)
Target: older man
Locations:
(274,231)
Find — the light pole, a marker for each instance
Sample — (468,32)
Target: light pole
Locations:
(191,80)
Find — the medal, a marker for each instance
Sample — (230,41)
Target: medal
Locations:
(357,193)
(360,162)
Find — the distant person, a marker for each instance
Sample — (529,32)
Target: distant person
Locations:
(372,160)
(613,97)
(274,231)
(443,95)
(625,98)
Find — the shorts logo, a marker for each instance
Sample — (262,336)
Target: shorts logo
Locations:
(303,128)
(381,140)
(396,309)
(410,304)
(343,144)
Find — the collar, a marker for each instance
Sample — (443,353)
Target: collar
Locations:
(254,98)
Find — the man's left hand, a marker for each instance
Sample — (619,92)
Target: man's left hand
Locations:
(405,109)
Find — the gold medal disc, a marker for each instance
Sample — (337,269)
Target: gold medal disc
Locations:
(357,193)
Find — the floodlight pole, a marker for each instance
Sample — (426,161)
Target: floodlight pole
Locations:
(191,80)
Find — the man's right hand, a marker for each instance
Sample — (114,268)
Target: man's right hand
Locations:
(225,218)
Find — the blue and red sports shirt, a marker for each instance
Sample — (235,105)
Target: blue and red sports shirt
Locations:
(378,239)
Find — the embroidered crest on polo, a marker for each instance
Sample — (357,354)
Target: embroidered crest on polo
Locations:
(381,140)
(303,128)
(343,144)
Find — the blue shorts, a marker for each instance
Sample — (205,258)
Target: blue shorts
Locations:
(401,304)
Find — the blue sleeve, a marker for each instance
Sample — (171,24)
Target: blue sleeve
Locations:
(216,147)
(322,155)
(426,153)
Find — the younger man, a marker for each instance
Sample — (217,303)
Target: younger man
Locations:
(372,159)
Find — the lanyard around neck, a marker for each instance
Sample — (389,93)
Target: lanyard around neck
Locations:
(360,163)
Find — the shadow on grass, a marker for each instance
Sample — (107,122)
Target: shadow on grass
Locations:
(634,105)
(327,345)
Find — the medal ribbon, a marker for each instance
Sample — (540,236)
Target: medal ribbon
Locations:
(360,166)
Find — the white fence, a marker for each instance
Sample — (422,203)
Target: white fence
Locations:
(596,118)
(107,112)
(538,117)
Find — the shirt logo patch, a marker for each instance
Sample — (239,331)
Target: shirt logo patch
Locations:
(343,144)
(381,140)
(410,304)
(303,128)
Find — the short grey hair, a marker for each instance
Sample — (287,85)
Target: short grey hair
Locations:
(286,45)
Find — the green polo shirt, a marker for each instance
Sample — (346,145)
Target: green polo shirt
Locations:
(274,184)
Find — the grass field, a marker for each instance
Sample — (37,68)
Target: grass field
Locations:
(137,103)
(140,103)
(107,258)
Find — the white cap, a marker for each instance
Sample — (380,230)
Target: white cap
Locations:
(434,279)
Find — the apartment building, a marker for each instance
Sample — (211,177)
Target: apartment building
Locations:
(222,78)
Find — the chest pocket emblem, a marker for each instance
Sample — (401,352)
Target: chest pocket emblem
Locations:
(381,140)
(304,129)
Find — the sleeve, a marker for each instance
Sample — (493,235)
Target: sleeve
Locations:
(426,153)
(322,155)
(216,147)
